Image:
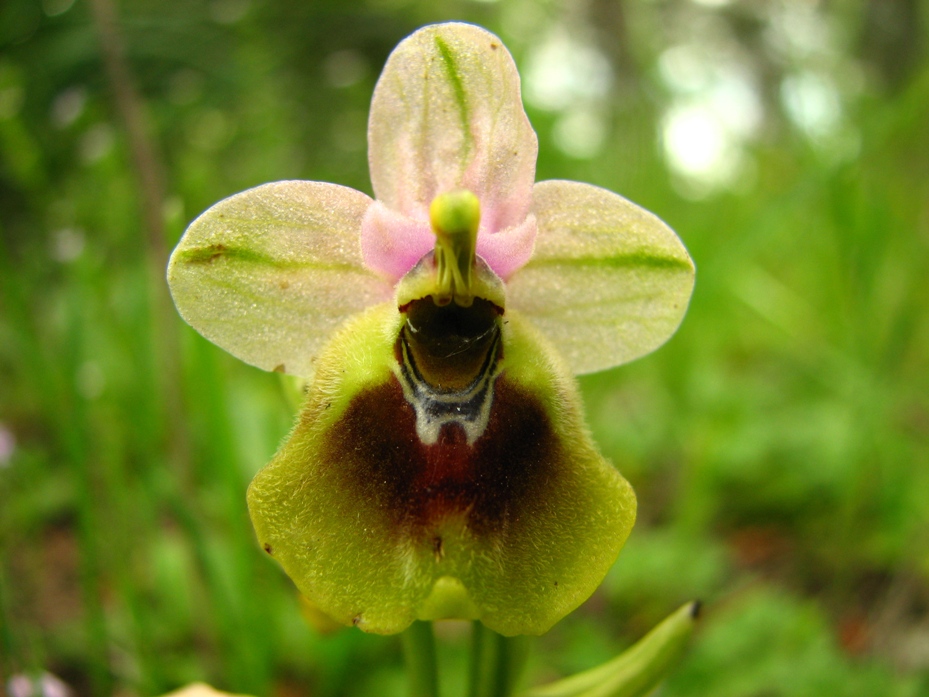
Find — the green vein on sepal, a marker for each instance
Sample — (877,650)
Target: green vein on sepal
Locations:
(619,261)
(213,252)
(636,671)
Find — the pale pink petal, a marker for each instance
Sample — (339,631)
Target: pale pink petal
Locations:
(392,243)
(508,250)
(447,114)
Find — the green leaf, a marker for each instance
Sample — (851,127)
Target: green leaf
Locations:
(636,671)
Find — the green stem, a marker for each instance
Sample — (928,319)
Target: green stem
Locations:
(496,662)
(419,652)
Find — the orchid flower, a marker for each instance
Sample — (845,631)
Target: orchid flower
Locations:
(441,466)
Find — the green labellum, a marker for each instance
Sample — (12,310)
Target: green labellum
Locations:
(441,469)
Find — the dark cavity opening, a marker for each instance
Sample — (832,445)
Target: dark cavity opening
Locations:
(450,345)
(448,330)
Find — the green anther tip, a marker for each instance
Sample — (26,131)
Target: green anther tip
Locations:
(455,213)
(455,217)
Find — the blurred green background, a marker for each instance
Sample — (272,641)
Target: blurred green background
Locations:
(779,443)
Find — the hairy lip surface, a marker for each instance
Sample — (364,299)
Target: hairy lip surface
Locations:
(420,485)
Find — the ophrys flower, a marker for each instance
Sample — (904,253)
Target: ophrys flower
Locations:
(440,466)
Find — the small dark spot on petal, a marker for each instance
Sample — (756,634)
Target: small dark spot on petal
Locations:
(437,548)
(556,584)
(494,47)
(268,549)
(279,368)
(284,285)
(356,620)
(207,255)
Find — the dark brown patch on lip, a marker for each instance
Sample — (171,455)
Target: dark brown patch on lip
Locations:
(375,446)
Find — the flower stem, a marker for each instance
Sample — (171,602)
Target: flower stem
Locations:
(419,652)
(496,662)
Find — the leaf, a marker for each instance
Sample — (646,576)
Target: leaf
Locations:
(608,281)
(269,273)
(636,671)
